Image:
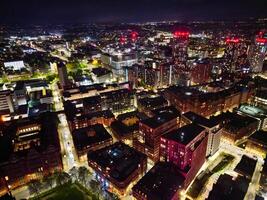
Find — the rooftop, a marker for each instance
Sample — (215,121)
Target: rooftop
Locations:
(48,136)
(161,182)
(253,111)
(228,188)
(159,120)
(119,158)
(152,102)
(100,71)
(260,137)
(166,109)
(193,117)
(246,166)
(85,137)
(185,134)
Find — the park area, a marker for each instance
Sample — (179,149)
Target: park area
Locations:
(199,183)
(68,191)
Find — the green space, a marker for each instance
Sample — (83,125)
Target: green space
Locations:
(203,178)
(68,191)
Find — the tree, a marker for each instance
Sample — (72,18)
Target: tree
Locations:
(51,77)
(74,173)
(83,174)
(95,186)
(34,187)
(49,181)
(62,177)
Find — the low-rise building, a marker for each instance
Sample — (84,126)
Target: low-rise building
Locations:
(117,165)
(89,139)
(29,149)
(257,143)
(162,182)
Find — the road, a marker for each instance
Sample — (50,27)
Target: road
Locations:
(69,156)
(58,105)
(254,184)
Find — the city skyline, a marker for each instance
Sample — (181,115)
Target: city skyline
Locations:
(82,11)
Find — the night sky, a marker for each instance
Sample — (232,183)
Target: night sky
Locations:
(74,11)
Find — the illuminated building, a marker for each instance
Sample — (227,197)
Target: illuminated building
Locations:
(90,138)
(260,99)
(31,150)
(238,126)
(101,96)
(148,104)
(126,126)
(77,120)
(120,60)
(186,148)
(257,143)
(150,131)
(101,75)
(6,102)
(117,166)
(207,103)
(254,112)
(236,54)
(14,65)
(258,51)
(228,187)
(180,44)
(200,72)
(180,55)
(164,181)
(213,128)
(154,74)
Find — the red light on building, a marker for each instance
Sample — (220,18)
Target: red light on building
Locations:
(123,39)
(134,35)
(232,40)
(181,34)
(261,40)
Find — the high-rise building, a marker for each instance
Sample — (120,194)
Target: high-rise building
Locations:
(236,55)
(258,51)
(213,128)
(186,148)
(150,131)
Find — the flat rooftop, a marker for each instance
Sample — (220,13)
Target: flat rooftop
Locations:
(158,120)
(226,188)
(167,109)
(161,182)
(86,137)
(260,137)
(48,136)
(236,121)
(253,111)
(198,119)
(152,102)
(246,166)
(185,134)
(121,159)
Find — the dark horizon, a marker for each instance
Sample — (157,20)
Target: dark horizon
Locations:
(117,11)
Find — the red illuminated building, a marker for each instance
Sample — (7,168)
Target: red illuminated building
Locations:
(186,148)
(150,131)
